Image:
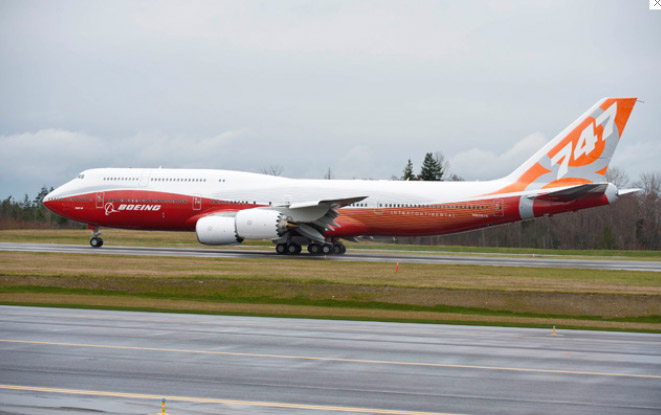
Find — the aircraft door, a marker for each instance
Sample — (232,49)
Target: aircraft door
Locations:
(99,200)
(197,202)
(498,209)
(144,178)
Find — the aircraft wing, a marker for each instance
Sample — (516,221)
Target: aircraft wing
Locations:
(313,218)
(332,203)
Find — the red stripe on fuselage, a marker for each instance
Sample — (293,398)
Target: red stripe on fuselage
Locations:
(150,210)
(140,209)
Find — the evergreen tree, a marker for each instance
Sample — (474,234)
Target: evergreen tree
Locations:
(431,169)
(443,165)
(408,172)
(39,199)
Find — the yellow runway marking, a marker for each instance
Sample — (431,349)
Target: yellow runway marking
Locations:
(218,401)
(337,359)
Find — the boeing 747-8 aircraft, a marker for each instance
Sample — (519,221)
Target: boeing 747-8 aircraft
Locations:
(227,207)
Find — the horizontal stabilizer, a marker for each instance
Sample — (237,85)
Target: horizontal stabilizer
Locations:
(572,193)
(622,192)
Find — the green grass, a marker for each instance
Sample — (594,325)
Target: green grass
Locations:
(237,297)
(376,274)
(598,297)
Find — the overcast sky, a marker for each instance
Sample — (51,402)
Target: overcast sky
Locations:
(355,86)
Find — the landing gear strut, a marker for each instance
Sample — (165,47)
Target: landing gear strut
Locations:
(95,240)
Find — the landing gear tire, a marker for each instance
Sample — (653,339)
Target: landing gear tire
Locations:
(281,249)
(294,249)
(339,249)
(314,249)
(96,242)
(326,249)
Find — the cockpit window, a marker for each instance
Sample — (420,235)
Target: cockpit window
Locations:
(81,176)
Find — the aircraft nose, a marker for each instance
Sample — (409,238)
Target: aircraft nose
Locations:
(51,201)
(48,201)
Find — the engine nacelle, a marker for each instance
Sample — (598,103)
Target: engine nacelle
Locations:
(260,224)
(247,224)
(217,230)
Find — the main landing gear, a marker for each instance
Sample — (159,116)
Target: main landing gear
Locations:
(95,240)
(314,248)
(288,249)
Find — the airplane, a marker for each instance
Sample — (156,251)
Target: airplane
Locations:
(227,207)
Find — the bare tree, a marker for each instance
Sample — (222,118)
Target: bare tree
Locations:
(618,177)
(273,170)
(650,183)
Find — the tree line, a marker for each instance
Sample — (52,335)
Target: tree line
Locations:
(30,214)
(633,222)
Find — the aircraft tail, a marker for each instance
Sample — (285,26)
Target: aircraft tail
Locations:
(580,154)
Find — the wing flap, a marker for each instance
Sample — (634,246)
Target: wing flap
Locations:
(313,218)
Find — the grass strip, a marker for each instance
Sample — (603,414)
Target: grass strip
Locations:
(351,290)
(300,300)
(356,273)
(188,307)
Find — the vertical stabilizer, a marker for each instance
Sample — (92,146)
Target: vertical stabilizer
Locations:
(580,154)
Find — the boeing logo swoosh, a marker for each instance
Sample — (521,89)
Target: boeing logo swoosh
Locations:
(110,209)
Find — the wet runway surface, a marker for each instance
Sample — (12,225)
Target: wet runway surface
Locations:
(124,362)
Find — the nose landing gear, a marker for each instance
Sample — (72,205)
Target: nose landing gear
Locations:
(95,240)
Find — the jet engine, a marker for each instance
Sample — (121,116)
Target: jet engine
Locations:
(246,224)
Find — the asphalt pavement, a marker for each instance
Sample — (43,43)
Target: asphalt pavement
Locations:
(544,261)
(81,361)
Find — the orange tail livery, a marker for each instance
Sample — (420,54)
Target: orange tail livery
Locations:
(578,155)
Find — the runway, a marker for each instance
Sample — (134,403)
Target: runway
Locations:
(362,256)
(66,361)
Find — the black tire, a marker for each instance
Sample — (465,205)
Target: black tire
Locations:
(281,249)
(339,249)
(96,242)
(326,249)
(314,249)
(293,249)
